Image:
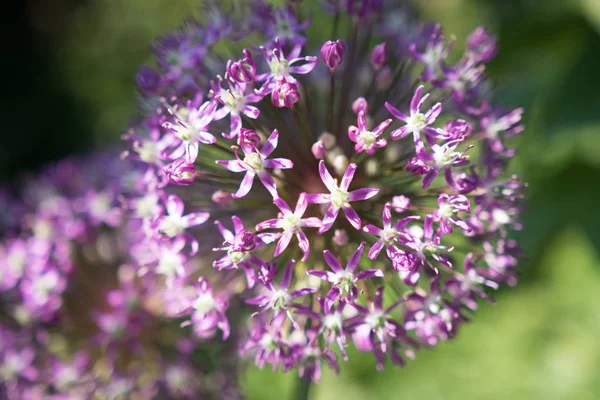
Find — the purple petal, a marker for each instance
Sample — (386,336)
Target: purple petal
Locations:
(325,275)
(206,138)
(250,275)
(283,243)
(395,112)
(304,244)
(348,175)
(433,113)
(430,177)
(282,163)
(387,216)
(399,133)
(318,198)
(355,258)
(311,222)
(237,223)
(326,177)
(259,300)
(227,235)
(378,301)
(362,121)
(301,205)
(332,261)
(232,165)
(270,224)
(283,206)
(372,229)
(271,144)
(381,127)
(369,273)
(376,249)
(195,219)
(268,183)
(175,206)
(302,292)
(404,221)
(245,186)
(352,216)
(414,103)
(286,278)
(329,219)
(362,194)
(251,112)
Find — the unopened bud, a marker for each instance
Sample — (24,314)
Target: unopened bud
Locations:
(332,53)
(359,105)
(379,55)
(222,198)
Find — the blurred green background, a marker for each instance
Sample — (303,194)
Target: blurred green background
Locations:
(69,70)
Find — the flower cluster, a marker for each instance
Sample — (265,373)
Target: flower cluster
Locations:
(77,321)
(323,156)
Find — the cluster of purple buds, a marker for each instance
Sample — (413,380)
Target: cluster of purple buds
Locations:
(77,320)
(322,166)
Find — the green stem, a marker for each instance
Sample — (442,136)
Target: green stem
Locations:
(302,389)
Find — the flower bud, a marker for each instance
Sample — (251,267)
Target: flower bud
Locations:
(340,163)
(379,55)
(266,273)
(244,241)
(400,203)
(147,80)
(332,53)
(328,140)
(222,198)
(319,150)
(359,105)
(371,167)
(340,237)
(248,140)
(481,46)
(417,167)
(180,172)
(285,93)
(384,78)
(458,129)
(243,70)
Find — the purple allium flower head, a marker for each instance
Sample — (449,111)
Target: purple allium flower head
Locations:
(326,135)
(83,264)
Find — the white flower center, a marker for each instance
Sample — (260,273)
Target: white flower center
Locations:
(267,342)
(205,303)
(172,225)
(236,257)
(332,321)
(368,138)
(417,122)
(375,320)
(147,151)
(146,206)
(290,223)
(339,197)
(346,283)
(253,161)
(169,263)
(233,100)
(500,216)
(279,67)
(446,211)
(389,236)
(279,300)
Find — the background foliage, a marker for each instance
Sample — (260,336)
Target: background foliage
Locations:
(69,70)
